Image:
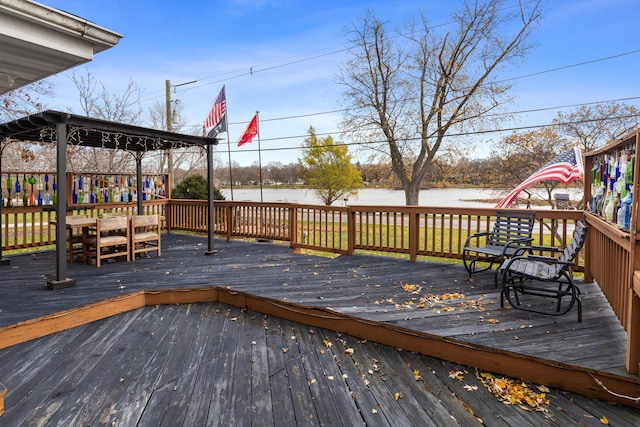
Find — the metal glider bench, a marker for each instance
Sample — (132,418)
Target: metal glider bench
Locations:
(511,232)
(545,276)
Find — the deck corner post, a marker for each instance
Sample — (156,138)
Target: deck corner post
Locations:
(414,233)
(293,225)
(633,334)
(351,231)
(230,212)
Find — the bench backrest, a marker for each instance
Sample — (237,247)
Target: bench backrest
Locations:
(144,220)
(511,225)
(572,250)
(113,223)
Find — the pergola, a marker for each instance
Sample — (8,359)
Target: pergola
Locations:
(65,129)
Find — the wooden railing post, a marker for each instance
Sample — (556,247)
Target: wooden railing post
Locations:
(414,234)
(230,221)
(633,334)
(168,216)
(293,226)
(351,231)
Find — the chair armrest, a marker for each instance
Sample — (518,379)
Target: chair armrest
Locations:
(525,258)
(476,235)
(519,241)
(518,245)
(545,248)
(548,259)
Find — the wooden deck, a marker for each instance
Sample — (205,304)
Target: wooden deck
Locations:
(217,364)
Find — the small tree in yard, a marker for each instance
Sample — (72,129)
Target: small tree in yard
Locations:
(328,170)
(194,187)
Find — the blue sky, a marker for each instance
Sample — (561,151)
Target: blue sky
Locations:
(281,57)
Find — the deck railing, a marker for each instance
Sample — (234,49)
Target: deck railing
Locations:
(413,231)
(410,230)
(618,277)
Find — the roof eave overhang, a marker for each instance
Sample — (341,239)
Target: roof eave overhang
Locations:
(37,41)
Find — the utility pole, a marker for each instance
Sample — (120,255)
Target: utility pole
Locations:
(169,119)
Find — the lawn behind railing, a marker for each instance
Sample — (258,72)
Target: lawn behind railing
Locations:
(413,231)
(410,230)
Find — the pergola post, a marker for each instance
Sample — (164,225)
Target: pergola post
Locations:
(61,281)
(3,261)
(139,181)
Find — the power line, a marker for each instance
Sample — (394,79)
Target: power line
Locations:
(453,135)
(534,110)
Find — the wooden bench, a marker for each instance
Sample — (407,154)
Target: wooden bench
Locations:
(545,276)
(511,231)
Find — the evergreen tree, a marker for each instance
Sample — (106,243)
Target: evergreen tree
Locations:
(194,187)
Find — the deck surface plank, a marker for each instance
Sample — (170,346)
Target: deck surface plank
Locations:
(115,392)
(206,364)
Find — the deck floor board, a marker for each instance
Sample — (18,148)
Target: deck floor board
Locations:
(209,364)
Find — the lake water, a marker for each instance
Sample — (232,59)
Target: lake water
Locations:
(463,197)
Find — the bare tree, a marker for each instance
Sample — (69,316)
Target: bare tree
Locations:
(524,153)
(412,90)
(24,101)
(593,126)
(15,104)
(96,101)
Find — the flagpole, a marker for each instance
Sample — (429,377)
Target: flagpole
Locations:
(226,119)
(259,154)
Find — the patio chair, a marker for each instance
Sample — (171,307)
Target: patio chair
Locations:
(511,231)
(74,239)
(109,239)
(145,234)
(545,276)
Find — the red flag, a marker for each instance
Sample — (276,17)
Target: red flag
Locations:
(252,130)
(215,122)
(565,168)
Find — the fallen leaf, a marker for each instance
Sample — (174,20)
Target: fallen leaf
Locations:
(398,395)
(313,381)
(471,387)
(604,420)
(456,374)
(285,349)
(349,351)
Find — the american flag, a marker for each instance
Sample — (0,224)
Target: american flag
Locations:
(566,168)
(216,120)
